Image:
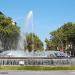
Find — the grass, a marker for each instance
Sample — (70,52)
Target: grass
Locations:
(37,67)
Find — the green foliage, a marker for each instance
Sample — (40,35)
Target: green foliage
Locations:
(33,42)
(62,37)
(9,33)
(49,45)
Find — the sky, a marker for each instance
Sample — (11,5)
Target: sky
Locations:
(48,15)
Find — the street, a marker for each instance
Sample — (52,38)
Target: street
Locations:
(37,72)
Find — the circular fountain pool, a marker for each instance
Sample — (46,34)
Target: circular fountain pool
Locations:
(22,53)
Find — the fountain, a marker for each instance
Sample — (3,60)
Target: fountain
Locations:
(21,56)
(20,45)
(22,39)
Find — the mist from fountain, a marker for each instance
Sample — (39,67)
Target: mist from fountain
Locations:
(22,39)
(20,45)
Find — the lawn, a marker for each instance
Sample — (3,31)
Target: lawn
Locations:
(37,67)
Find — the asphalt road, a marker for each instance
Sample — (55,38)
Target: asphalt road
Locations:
(37,72)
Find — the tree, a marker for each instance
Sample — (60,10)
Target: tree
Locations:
(56,39)
(9,32)
(69,36)
(33,42)
(49,44)
(63,37)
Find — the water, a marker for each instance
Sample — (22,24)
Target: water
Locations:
(22,43)
(26,53)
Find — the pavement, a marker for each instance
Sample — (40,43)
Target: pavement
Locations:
(37,72)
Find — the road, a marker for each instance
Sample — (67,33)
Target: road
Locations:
(37,72)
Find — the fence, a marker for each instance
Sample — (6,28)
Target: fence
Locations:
(36,61)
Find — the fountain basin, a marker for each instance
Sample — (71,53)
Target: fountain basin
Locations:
(20,57)
(37,54)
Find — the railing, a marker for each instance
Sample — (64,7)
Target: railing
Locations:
(35,61)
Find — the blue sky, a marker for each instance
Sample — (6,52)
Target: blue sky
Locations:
(48,15)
